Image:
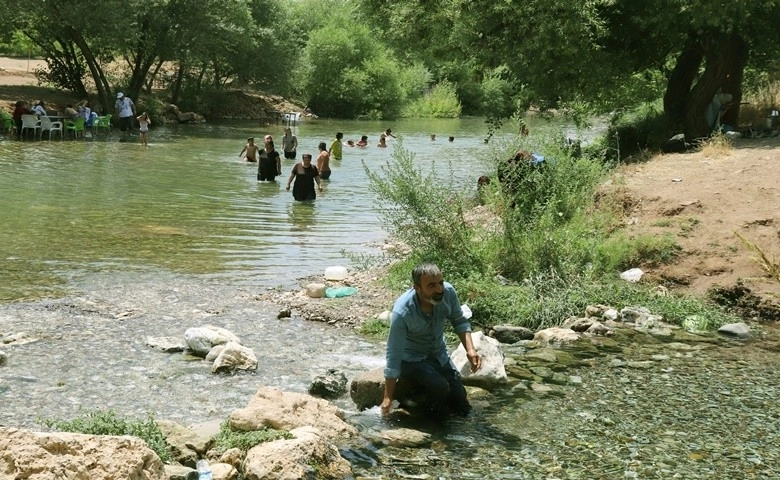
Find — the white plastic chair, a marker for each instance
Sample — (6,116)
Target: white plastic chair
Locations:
(30,122)
(48,125)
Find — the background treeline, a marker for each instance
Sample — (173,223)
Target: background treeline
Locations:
(438,58)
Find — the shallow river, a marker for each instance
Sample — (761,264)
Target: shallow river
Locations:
(129,243)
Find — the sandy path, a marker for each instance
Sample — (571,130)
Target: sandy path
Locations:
(19,71)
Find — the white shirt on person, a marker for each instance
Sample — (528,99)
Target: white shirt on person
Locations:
(125,107)
(39,110)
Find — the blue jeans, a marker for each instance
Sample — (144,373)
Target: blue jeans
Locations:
(437,388)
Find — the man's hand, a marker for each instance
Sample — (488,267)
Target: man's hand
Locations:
(474,359)
(385,406)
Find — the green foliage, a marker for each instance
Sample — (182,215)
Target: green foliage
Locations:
(440,102)
(498,92)
(347,73)
(108,423)
(228,438)
(547,300)
(374,329)
(18,45)
(556,250)
(633,131)
(426,216)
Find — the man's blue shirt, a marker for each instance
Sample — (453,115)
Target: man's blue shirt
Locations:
(415,336)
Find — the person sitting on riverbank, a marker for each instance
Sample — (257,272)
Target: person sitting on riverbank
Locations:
(251,150)
(416,351)
(70,113)
(21,108)
(40,109)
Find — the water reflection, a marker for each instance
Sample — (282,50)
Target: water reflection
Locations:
(302,215)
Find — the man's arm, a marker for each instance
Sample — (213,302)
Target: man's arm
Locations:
(387,401)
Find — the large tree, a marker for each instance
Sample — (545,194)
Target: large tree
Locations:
(603,54)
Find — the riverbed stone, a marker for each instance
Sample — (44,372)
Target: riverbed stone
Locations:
(331,384)
(739,330)
(167,344)
(307,455)
(271,407)
(492,371)
(556,335)
(59,455)
(234,357)
(511,333)
(202,339)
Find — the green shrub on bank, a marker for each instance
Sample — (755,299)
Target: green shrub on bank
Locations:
(555,251)
(108,423)
(441,102)
(645,128)
(228,438)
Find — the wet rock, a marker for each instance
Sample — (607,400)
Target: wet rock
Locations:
(511,333)
(202,339)
(284,313)
(738,330)
(234,357)
(331,384)
(556,335)
(167,344)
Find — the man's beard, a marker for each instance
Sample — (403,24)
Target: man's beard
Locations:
(436,299)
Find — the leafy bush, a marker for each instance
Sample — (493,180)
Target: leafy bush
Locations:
(423,214)
(557,249)
(228,438)
(440,102)
(108,423)
(634,131)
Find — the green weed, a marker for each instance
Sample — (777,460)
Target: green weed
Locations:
(228,438)
(108,423)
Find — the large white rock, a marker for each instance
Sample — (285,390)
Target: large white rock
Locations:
(61,455)
(201,339)
(492,371)
(308,455)
(271,407)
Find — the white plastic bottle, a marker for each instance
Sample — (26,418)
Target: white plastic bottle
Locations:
(204,470)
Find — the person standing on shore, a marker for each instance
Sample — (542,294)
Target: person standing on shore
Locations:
(289,144)
(125,109)
(269,164)
(416,351)
(335,150)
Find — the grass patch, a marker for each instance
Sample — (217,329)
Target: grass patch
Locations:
(228,438)
(770,265)
(718,145)
(107,422)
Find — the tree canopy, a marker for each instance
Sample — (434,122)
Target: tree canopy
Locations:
(353,58)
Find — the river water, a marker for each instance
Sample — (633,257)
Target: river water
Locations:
(105,243)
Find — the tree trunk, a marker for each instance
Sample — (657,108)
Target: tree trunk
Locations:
(680,81)
(177,83)
(725,57)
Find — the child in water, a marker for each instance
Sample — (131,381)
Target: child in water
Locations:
(251,150)
(144,122)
